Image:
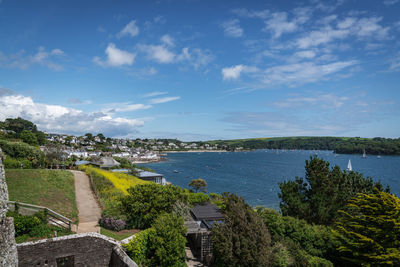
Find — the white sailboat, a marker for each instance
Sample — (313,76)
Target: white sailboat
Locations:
(349,167)
(364,155)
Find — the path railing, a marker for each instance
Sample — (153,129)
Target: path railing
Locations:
(29,209)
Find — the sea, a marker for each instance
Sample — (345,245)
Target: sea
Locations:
(255,175)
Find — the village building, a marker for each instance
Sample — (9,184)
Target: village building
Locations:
(202,219)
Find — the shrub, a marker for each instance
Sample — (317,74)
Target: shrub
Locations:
(166,244)
(146,202)
(24,224)
(161,245)
(137,246)
(112,223)
(315,240)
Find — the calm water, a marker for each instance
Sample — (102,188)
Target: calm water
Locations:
(255,175)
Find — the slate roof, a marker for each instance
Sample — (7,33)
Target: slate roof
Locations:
(106,162)
(146,174)
(207,212)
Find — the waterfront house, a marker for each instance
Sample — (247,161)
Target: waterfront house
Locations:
(202,219)
(106,162)
(151,176)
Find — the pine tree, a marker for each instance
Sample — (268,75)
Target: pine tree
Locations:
(369,229)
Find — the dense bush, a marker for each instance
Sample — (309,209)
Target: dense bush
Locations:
(137,247)
(242,239)
(196,198)
(29,155)
(295,234)
(112,223)
(145,203)
(324,191)
(34,227)
(161,245)
(369,228)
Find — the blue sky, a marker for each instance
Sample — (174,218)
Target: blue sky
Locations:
(198,70)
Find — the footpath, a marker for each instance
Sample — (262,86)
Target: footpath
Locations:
(88,207)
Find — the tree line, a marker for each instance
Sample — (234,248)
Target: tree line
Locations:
(343,145)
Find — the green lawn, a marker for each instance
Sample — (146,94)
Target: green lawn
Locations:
(117,235)
(50,188)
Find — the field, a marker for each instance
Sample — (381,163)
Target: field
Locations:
(118,235)
(50,188)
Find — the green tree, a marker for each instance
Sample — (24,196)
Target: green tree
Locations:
(198,184)
(29,137)
(243,239)
(304,242)
(369,229)
(18,125)
(89,136)
(166,244)
(41,138)
(144,203)
(324,191)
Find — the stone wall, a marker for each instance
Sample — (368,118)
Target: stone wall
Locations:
(8,249)
(88,249)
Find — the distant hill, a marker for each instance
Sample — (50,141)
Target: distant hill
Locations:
(344,145)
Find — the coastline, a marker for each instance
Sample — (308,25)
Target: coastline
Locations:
(194,151)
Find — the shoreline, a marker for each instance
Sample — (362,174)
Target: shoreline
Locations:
(194,151)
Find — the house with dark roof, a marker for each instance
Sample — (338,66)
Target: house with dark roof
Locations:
(202,219)
(106,162)
(151,176)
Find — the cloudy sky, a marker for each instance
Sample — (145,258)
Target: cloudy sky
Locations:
(198,70)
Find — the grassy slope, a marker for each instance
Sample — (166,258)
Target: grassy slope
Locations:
(50,188)
(116,235)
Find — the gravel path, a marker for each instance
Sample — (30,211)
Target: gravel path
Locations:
(88,207)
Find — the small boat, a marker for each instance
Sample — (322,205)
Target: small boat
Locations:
(349,167)
(379,156)
(364,155)
(175,171)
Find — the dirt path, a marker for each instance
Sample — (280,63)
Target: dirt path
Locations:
(192,261)
(89,209)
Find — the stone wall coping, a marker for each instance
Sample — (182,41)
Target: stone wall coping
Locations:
(69,237)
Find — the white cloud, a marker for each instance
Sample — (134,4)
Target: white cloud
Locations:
(167,40)
(42,57)
(367,27)
(321,100)
(305,54)
(196,57)
(115,57)
(348,27)
(129,30)
(162,54)
(124,107)
(234,72)
(395,63)
(60,119)
(279,24)
(232,28)
(152,94)
(390,2)
(57,52)
(243,12)
(158,53)
(305,72)
(164,99)
(318,37)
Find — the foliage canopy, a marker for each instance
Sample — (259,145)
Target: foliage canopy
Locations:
(324,191)
(243,239)
(369,229)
